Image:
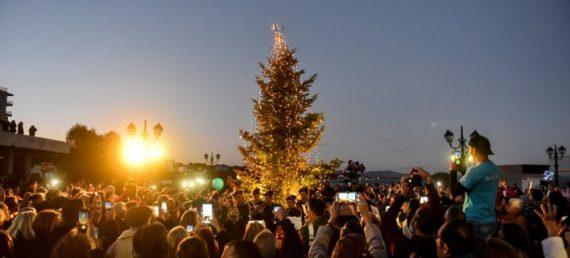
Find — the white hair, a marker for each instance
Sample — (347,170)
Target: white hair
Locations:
(516,203)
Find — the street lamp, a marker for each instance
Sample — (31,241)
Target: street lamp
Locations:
(461,147)
(140,149)
(211,158)
(556,155)
(157,129)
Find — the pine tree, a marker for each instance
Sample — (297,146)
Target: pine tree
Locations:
(277,149)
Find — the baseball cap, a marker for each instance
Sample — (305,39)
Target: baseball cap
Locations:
(481,143)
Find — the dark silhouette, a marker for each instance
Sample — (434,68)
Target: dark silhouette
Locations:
(6,126)
(21,127)
(13,126)
(32,131)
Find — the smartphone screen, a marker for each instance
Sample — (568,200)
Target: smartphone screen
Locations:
(347,197)
(108,205)
(207,213)
(352,197)
(83,217)
(276,208)
(96,233)
(341,197)
(189,228)
(156,210)
(423,199)
(387,208)
(164,206)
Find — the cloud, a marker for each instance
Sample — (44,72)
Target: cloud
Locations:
(391,139)
(405,149)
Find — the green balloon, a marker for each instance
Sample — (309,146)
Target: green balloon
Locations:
(218,183)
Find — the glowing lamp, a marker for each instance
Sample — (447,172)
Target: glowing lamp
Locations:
(132,129)
(54,182)
(157,130)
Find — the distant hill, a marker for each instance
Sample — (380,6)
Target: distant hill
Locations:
(383,174)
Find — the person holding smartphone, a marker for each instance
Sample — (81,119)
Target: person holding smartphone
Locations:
(426,220)
(288,240)
(479,187)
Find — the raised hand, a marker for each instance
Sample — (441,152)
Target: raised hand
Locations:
(548,215)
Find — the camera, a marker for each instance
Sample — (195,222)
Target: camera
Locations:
(414,180)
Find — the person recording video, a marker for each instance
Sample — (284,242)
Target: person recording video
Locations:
(479,186)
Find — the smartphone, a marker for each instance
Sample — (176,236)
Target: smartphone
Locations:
(352,197)
(457,157)
(83,218)
(346,197)
(96,233)
(341,197)
(156,210)
(108,205)
(164,206)
(387,208)
(423,199)
(276,208)
(189,228)
(207,213)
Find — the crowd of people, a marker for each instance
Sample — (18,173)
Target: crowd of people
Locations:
(478,215)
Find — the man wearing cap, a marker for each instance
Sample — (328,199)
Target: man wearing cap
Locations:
(479,187)
(292,210)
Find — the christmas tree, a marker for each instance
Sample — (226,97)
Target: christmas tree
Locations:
(277,149)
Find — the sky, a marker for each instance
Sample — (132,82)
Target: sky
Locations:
(392,75)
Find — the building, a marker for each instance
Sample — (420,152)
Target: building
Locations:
(4,104)
(18,151)
(523,174)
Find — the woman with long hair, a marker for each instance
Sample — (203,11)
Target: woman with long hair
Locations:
(175,235)
(72,246)
(351,245)
(192,247)
(22,233)
(267,243)
(43,225)
(208,236)
(251,230)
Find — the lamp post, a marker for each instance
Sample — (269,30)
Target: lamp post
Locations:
(211,157)
(556,155)
(157,130)
(461,147)
(139,150)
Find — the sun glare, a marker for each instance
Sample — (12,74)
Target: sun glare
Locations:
(137,152)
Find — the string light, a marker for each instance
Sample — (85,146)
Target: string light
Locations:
(284,133)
